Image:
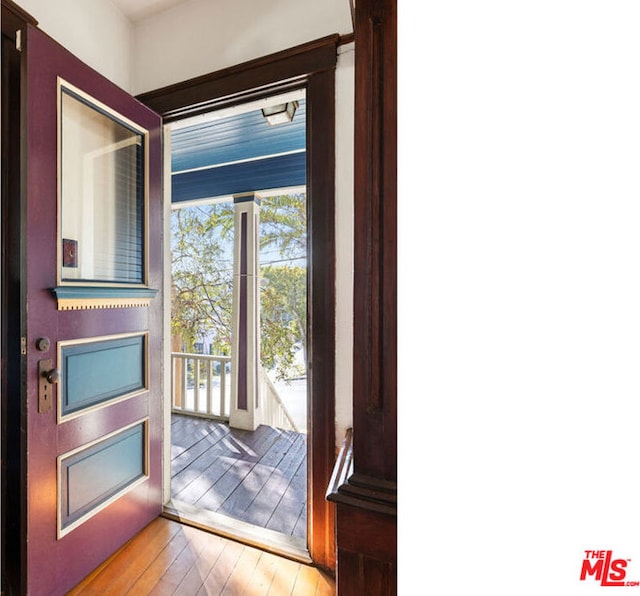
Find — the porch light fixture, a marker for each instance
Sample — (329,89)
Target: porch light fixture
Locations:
(280,113)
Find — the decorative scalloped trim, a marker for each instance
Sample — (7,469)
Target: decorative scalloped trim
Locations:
(93,303)
(91,297)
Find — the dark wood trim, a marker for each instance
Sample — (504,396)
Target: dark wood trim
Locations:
(254,79)
(346,38)
(13,505)
(366,534)
(365,492)
(375,240)
(310,66)
(10,508)
(367,546)
(14,18)
(364,483)
(321,309)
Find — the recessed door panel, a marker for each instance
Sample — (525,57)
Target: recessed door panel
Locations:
(96,372)
(96,474)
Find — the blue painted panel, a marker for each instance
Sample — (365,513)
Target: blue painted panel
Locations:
(96,372)
(92,476)
(275,172)
(241,137)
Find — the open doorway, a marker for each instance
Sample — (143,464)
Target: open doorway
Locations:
(311,67)
(239,321)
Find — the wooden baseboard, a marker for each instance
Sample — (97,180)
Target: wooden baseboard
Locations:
(366,528)
(360,490)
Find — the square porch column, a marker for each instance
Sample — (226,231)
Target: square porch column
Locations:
(245,410)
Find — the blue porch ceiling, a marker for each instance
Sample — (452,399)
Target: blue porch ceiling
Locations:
(237,154)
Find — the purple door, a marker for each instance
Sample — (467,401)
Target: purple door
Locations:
(92,317)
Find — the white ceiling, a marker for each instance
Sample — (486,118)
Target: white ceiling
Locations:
(136,10)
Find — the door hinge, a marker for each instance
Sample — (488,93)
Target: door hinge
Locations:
(23,345)
(19,40)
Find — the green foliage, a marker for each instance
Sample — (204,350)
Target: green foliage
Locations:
(202,266)
(283,223)
(283,318)
(202,276)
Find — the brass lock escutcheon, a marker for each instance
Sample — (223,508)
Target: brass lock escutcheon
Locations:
(48,376)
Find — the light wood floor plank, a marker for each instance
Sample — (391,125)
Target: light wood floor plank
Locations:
(214,584)
(171,559)
(263,574)
(306,581)
(285,577)
(147,581)
(100,581)
(194,580)
(175,574)
(246,568)
(326,584)
(139,561)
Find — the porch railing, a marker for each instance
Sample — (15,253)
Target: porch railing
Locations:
(274,409)
(201,386)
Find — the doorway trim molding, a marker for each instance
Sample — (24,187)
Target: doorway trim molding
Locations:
(310,66)
(13,511)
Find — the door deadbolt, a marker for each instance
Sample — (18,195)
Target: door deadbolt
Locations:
(43,344)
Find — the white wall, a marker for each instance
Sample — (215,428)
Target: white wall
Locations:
(344,238)
(98,34)
(201,36)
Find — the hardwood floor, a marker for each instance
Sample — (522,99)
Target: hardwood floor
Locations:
(169,558)
(257,477)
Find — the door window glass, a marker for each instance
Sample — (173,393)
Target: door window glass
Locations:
(102,193)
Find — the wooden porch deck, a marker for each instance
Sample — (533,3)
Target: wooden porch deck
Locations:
(258,477)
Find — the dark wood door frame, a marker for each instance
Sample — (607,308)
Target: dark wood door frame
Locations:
(13,570)
(364,486)
(310,66)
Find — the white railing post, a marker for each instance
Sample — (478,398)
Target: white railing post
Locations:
(209,366)
(223,386)
(184,380)
(196,384)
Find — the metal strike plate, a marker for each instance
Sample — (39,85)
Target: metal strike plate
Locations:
(45,388)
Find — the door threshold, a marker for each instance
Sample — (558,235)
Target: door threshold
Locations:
(291,547)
